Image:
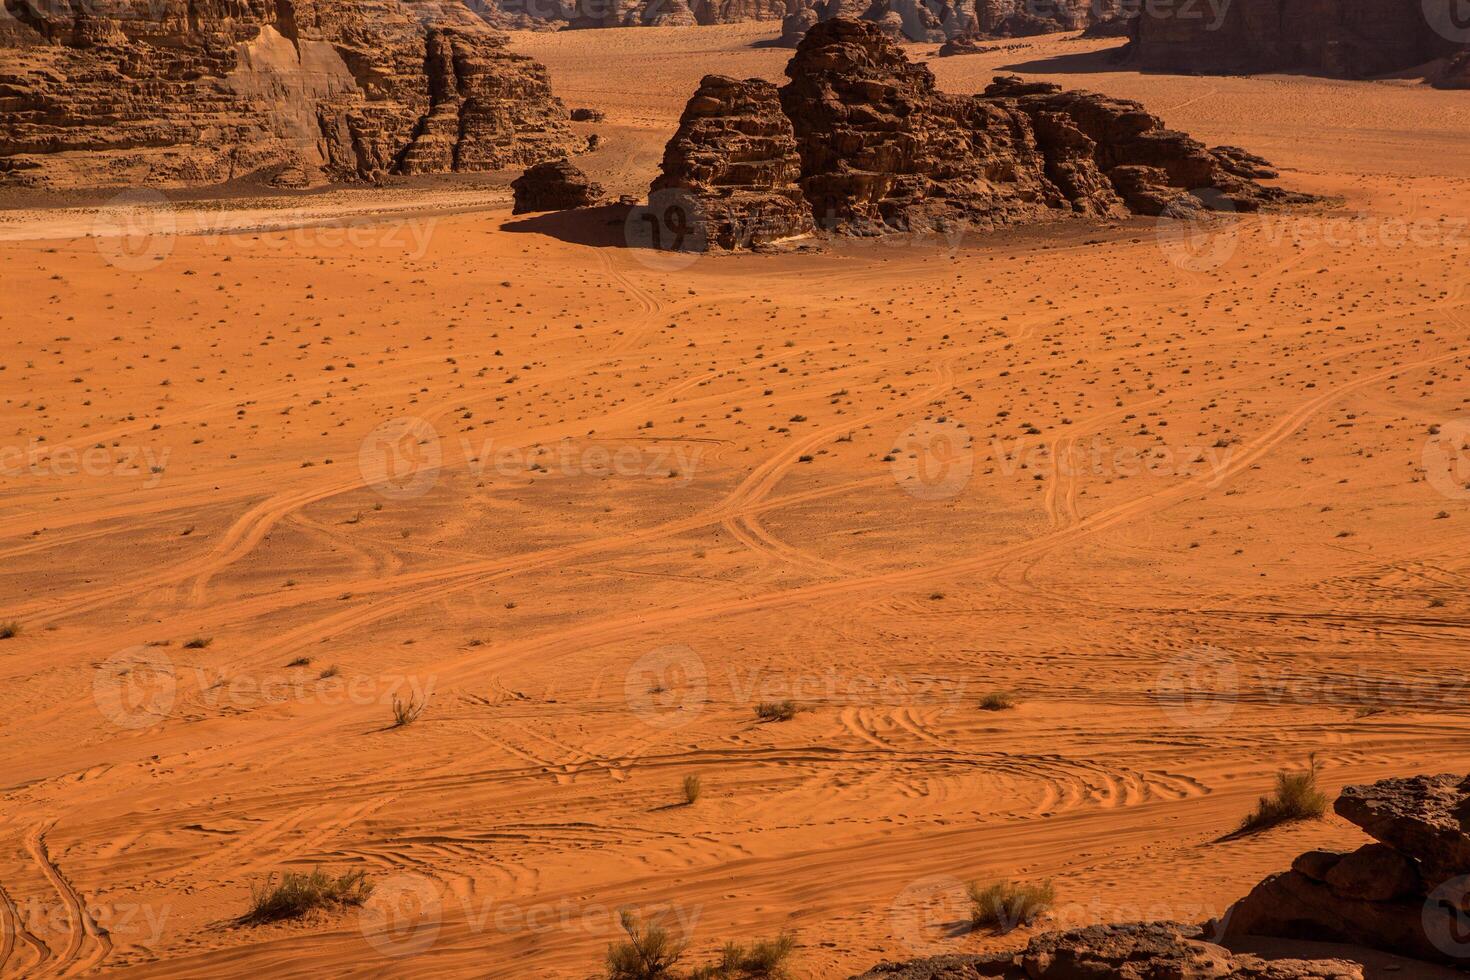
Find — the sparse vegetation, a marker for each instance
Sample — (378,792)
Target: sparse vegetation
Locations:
(406,711)
(9,630)
(693,788)
(649,952)
(1297,797)
(199,643)
(1005,905)
(294,895)
(763,960)
(998,701)
(776,710)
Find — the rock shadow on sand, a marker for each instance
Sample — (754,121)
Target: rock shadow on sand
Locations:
(604,226)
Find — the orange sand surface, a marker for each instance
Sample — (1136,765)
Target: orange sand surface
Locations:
(1201,500)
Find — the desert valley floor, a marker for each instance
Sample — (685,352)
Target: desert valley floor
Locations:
(1200,499)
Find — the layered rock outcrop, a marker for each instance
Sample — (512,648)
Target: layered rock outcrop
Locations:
(557,185)
(1406,894)
(170,92)
(733,163)
(863,139)
(1347,40)
(1133,951)
(671,13)
(938,21)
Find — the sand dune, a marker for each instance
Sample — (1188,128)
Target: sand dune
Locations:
(1199,500)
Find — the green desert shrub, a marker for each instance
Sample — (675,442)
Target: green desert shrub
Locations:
(764,959)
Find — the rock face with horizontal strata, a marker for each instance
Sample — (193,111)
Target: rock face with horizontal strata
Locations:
(1346,40)
(176,92)
(734,161)
(939,21)
(864,139)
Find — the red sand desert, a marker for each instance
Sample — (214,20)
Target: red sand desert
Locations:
(1199,501)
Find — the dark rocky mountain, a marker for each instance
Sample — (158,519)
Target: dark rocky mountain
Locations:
(1346,40)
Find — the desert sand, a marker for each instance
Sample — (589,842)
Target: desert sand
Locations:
(1198,499)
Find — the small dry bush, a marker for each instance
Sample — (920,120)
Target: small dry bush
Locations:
(406,712)
(1005,905)
(776,710)
(765,959)
(998,701)
(649,952)
(294,895)
(1297,797)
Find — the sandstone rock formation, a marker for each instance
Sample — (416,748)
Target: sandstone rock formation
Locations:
(734,161)
(1347,40)
(1405,894)
(1133,951)
(164,91)
(938,21)
(864,139)
(489,109)
(671,13)
(557,185)
(964,44)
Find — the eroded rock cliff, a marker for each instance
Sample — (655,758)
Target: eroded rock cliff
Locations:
(199,91)
(1348,40)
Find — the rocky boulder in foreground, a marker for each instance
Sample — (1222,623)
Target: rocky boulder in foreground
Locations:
(860,141)
(1406,894)
(1132,951)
